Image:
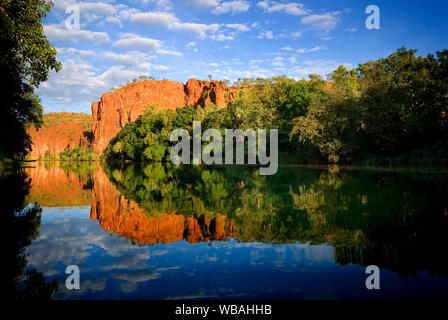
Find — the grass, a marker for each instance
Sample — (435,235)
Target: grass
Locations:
(54,118)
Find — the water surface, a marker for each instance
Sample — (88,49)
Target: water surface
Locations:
(156,231)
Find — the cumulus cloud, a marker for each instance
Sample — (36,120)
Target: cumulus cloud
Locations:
(277,61)
(61,34)
(238,27)
(221,7)
(81,82)
(323,23)
(200,29)
(266,34)
(89,11)
(236,6)
(295,9)
(169,21)
(130,40)
(296,34)
(221,37)
(203,3)
(314,49)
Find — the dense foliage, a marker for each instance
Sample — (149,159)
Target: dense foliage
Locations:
(390,110)
(26,56)
(148,138)
(394,108)
(79,153)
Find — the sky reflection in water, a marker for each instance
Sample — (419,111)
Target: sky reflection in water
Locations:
(143,232)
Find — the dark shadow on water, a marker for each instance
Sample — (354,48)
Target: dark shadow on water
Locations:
(20,225)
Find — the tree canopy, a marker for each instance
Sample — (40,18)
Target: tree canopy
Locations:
(26,57)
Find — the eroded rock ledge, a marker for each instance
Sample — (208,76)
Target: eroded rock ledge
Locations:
(126,104)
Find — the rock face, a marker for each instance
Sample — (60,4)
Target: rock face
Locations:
(58,132)
(126,104)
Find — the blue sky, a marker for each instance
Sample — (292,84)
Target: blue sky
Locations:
(228,39)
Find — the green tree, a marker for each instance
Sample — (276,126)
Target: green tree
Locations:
(26,56)
(404,101)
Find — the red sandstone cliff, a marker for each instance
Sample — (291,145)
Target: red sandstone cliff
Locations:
(126,104)
(60,131)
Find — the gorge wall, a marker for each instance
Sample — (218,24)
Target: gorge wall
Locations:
(59,131)
(126,104)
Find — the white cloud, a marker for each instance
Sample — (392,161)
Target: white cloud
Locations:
(323,23)
(295,9)
(112,20)
(221,37)
(239,27)
(296,35)
(287,48)
(351,29)
(78,52)
(130,40)
(199,29)
(78,82)
(169,21)
(203,3)
(277,61)
(266,34)
(61,34)
(236,6)
(191,45)
(164,52)
(163,5)
(314,49)
(150,19)
(322,67)
(89,11)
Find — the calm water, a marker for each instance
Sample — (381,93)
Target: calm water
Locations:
(155,231)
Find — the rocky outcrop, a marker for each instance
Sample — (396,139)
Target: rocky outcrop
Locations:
(126,104)
(59,131)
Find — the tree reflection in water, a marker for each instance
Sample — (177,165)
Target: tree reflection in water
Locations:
(394,219)
(20,223)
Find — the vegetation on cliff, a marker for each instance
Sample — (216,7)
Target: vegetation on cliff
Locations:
(394,109)
(26,56)
(53,118)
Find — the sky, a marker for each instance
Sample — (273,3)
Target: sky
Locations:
(118,41)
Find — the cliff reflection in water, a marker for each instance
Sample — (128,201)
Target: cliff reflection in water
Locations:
(126,218)
(394,219)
